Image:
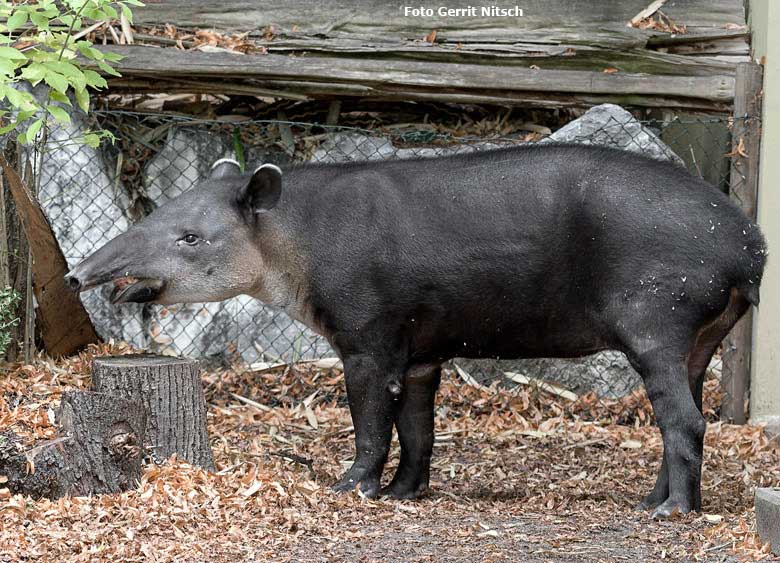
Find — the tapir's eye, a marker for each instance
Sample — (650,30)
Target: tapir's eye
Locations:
(190,239)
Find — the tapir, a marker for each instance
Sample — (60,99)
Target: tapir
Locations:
(530,251)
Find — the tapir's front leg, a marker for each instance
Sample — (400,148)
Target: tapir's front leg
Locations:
(371,407)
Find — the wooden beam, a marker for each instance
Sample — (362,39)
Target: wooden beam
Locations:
(746,139)
(552,34)
(383,18)
(331,76)
(64,323)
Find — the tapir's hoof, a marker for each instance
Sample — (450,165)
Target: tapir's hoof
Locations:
(369,486)
(648,503)
(404,491)
(669,509)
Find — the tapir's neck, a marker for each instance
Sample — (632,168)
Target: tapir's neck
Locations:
(282,278)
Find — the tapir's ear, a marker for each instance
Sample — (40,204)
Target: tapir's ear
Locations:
(225,167)
(263,190)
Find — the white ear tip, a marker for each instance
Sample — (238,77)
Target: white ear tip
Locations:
(223,161)
(272,166)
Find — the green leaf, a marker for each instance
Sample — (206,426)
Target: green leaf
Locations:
(58,113)
(33,129)
(8,128)
(12,54)
(82,98)
(94,14)
(17,19)
(69,70)
(57,97)
(110,12)
(21,139)
(238,148)
(8,68)
(107,69)
(34,73)
(112,57)
(25,115)
(17,98)
(92,140)
(86,49)
(135,3)
(94,79)
(127,12)
(40,20)
(56,81)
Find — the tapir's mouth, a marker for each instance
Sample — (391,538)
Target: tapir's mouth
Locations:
(129,289)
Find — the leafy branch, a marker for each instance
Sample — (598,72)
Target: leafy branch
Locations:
(41,41)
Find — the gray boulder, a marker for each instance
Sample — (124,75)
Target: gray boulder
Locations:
(612,126)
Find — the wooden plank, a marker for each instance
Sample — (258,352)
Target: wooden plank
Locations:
(744,190)
(379,18)
(561,56)
(64,323)
(327,76)
(552,34)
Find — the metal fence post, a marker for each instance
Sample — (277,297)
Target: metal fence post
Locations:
(746,139)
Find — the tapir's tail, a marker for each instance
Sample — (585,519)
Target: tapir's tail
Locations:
(751,293)
(753,259)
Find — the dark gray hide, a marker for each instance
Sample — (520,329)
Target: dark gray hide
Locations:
(535,251)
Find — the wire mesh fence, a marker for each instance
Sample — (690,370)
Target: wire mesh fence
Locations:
(91,195)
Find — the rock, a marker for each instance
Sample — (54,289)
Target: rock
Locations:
(608,374)
(349,147)
(184,160)
(354,147)
(612,126)
(768,517)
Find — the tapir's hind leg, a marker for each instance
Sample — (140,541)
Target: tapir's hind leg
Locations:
(414,422)
(665,375)
(705,345)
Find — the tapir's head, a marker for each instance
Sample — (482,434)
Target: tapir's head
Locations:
(200,246)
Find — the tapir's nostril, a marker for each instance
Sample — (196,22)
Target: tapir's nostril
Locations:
(73,282)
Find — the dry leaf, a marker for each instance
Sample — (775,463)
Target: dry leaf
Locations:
(630,444)
(739,150)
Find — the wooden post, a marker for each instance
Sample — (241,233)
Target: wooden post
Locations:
(99,450)
(746,138)
(65,324)
(171,391)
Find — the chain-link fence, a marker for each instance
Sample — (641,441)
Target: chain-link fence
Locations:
(91,195)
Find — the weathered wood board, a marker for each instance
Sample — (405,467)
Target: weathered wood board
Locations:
(64,323)
(171,69)
(552,34)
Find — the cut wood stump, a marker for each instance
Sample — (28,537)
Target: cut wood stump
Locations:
(171,392)
(99,450)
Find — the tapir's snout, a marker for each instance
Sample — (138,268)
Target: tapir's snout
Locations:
(115,262)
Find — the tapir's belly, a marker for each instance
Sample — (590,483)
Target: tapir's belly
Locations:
(513,316)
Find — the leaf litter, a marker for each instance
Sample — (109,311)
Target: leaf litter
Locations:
(517,474)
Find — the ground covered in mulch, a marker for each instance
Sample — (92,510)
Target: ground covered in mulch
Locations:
(517,476)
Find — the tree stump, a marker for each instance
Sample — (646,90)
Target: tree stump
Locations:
(99,450)
(170,390)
